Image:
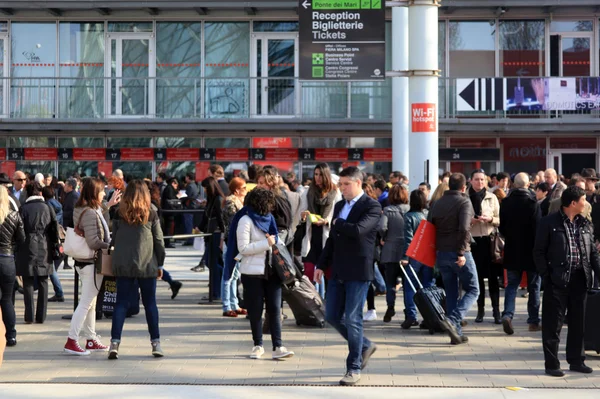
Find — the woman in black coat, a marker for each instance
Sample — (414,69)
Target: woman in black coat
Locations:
(34,256)
(170,201)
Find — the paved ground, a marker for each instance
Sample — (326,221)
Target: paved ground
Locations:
(202,347)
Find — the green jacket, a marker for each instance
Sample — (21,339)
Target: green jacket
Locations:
(138,249)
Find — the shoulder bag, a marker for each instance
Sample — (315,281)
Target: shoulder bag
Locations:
(497,247)
(283,263)
(75,245)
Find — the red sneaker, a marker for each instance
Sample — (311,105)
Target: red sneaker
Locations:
(94,345)
(72,347)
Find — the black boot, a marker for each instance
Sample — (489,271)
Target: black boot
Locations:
(389,313)
(497,318)
(480,314)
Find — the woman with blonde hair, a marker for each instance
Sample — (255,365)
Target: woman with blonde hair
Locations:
(138,255)
(438,193)
(11,233)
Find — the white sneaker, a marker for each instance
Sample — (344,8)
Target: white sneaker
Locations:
(371,315)
(282,353)
(257,352)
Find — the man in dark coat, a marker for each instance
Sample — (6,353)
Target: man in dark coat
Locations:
(71,197)
(565,255)
(519,216)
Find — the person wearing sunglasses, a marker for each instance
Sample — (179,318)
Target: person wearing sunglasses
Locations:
(18,190)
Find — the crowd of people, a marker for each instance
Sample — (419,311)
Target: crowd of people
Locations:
(348,233)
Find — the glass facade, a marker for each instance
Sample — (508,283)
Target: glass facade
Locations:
(472,48)
(522,48)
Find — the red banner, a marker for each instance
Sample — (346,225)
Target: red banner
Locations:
(232,154)
(105,167)
(3,154)
(272,142)
(41,154)
(377,154)
(202,170)
(89,154)
(331,154)
(8,167)
(183,154)
(281,154)
(137,154)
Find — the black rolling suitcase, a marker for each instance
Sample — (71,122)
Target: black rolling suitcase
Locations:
(430,301)
(305,302)
(592,322)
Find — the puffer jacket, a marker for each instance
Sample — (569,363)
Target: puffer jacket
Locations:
(391,230)
(11,233)
(139,250)
(93,230)
(39,222)
(253,246)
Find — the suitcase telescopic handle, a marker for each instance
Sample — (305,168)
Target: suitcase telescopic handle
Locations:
(408,278)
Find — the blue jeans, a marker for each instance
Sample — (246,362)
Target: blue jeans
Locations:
(58,291)
(125,289)
(534,282)
(346,299)
(452,274)
(229,289)
(188,225)
(425,275)
(379,281)
(167,277)
(217,272)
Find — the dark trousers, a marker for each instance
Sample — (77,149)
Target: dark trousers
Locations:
(7,282)
(486,269)
(258,290)
(42,299)
(556,301)
(169,228)
(127,298)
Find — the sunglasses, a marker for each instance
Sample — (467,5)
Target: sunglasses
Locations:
(20,179)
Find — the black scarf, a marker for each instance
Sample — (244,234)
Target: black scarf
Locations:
(319,205)
(476,199)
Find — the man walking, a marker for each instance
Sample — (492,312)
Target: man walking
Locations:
(452,215)
(565,255)
(349,252)
(520,214)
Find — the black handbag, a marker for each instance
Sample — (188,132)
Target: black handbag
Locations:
(175,204)
(209,222)
(283,264)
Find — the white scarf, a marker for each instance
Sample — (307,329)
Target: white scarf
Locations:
(34,197)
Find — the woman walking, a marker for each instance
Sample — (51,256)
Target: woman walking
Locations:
(88,216)
(256,234)
(212,222)
(34,258)
(11,234)
(486,220)
(49,197)
(316,207)
(138,256)
(233,204)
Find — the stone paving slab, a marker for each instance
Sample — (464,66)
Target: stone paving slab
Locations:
(202,347)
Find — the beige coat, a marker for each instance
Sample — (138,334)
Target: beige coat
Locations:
(326,228)
(489,207)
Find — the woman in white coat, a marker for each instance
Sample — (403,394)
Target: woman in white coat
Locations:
(256,233)
(317,205)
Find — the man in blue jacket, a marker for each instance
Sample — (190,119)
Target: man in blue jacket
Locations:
(349,252)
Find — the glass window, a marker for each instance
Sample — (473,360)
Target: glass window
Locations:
(370,142)
(178,69)
(130,26)
(263,26)
(227,52)
(442,47)
(522,48)
(34,167)
(84,168)
(325,142)
(24,142)
(472,49)
(473,143)
(3,142)
(129,142)
(527,155)
(177,169)
(178,142)
(571,26)
(135,170)
(3,26)
(81,58)
(81,142)
(33,63)
(225,142)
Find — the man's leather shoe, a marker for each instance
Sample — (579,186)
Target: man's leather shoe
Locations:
(507,325)
(555,373)
(581,368)
(56,299)
(534,327)
(11,342)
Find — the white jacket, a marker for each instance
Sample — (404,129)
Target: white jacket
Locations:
(253,246)
(326,228)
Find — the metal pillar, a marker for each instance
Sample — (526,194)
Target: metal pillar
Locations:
(423,91)
(400,105)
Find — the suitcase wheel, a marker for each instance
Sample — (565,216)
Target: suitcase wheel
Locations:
(432,331)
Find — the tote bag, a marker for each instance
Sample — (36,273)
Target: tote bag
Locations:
(75,245)
(422,247)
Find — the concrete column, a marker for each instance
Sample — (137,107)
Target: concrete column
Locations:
(423,92)
(400,105)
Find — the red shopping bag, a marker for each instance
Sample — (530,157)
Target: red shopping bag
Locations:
(422,246)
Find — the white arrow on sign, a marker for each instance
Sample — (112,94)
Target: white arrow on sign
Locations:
(306,4)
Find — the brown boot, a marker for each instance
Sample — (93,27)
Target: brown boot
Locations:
(535,327)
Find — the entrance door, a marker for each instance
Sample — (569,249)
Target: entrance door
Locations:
(131,64)
(569,162)
(570,54)
(274,70)
(4,64)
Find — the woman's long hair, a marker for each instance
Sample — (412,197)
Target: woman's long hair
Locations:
(134,207)
(154,192)
(327,185)
(212,189)
(4,204)
(90,193)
